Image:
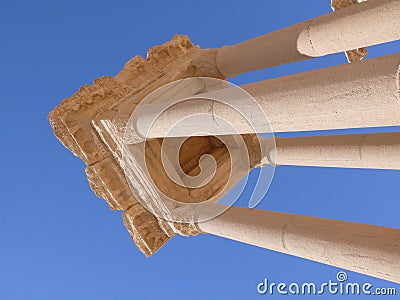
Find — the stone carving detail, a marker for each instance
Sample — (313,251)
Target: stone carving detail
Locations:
(144,229)
(186,229)
(92,122)
(356,54)
(105,178)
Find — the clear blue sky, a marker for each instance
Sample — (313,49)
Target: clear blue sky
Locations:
(58,241)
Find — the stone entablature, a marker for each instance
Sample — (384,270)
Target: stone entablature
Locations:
(92,123)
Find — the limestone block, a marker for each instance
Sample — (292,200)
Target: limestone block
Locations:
(92,123)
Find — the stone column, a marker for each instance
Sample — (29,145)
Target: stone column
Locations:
(374,151)
(365,24)
(366,249)
(365,94)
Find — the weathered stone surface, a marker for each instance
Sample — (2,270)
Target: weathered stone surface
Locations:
(367,249)
(92,123)
(356,54)
(144,229)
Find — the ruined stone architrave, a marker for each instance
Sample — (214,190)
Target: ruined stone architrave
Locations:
(92,123)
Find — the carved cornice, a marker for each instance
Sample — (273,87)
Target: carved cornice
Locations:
(91,123)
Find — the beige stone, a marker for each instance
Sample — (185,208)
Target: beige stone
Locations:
(367,249)
(365,24)
(359,95)
(92,124)
(373,151)
(359,53)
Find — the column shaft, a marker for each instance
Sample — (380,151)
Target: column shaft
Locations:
(366,249)
(365,94)
(374,151)
(369,23)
